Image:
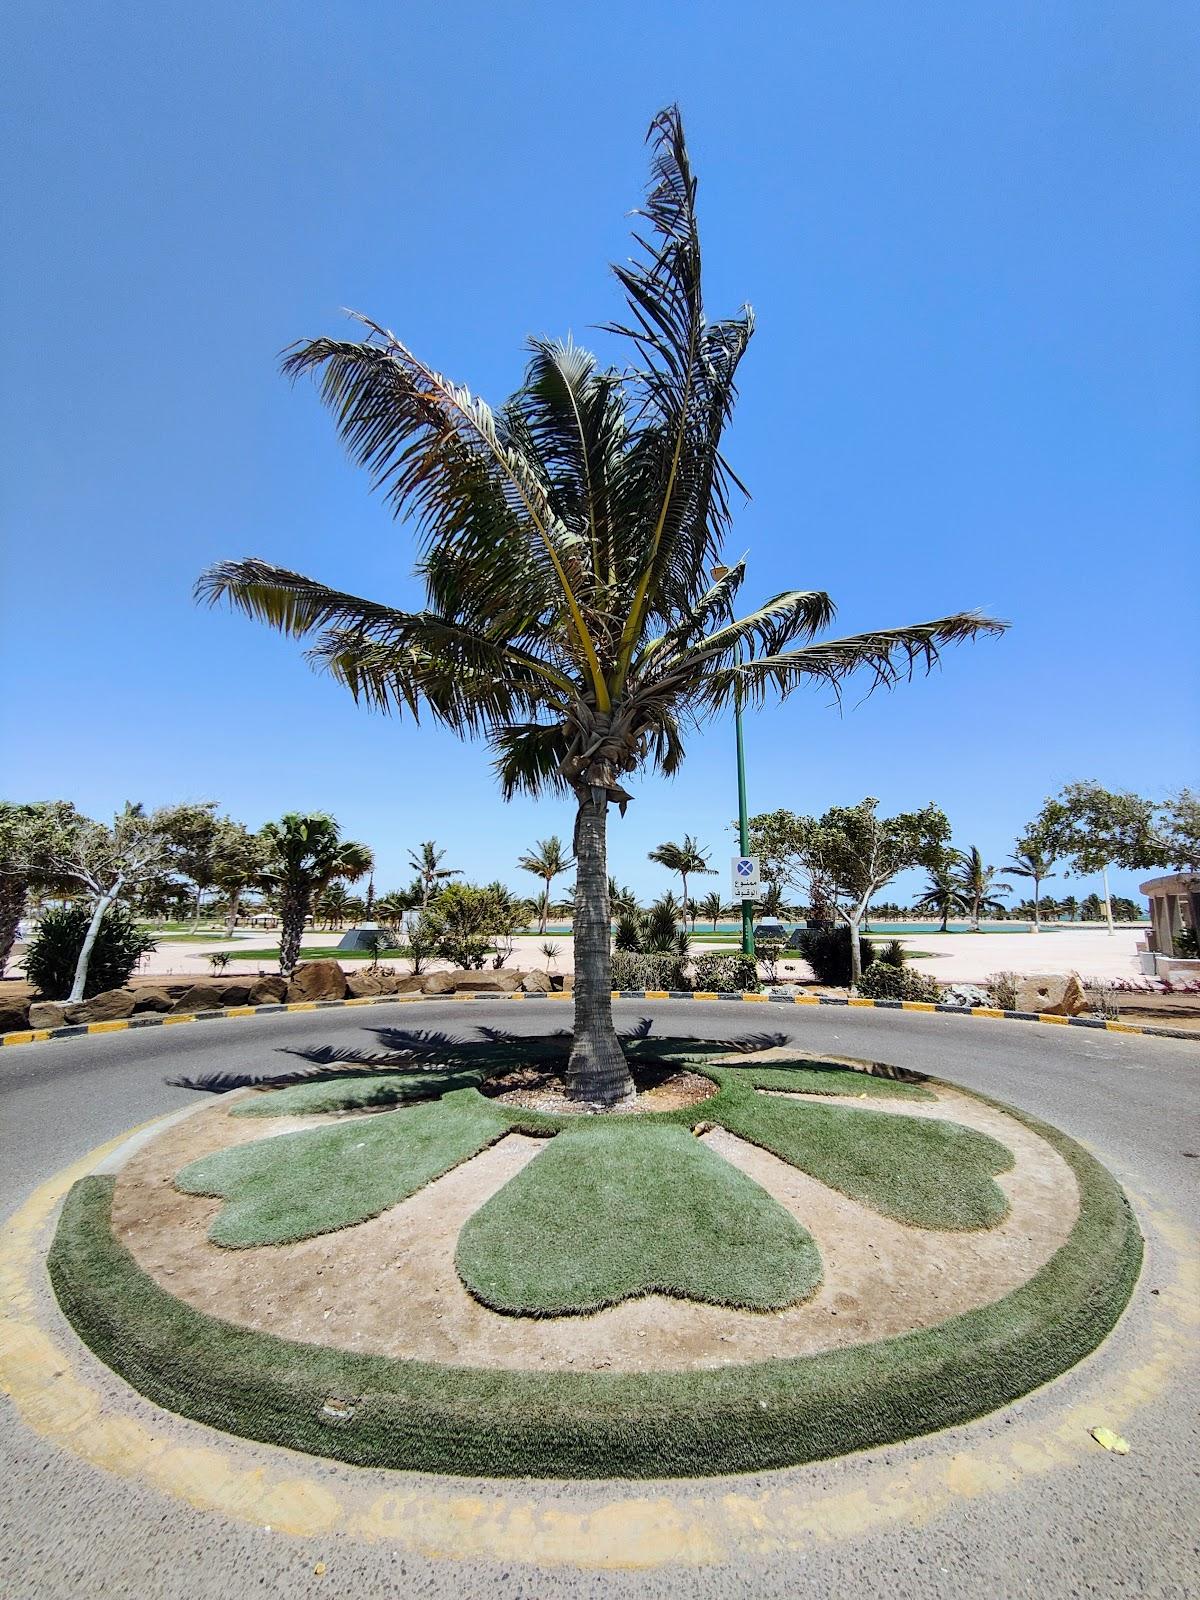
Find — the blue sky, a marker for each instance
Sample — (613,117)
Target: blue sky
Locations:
(970,238)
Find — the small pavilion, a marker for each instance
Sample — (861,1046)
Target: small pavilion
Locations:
(1174,906)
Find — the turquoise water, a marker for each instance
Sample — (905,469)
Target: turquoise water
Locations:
(890,927)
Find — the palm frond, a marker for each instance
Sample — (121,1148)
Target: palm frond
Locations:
(529,758)
(888,654)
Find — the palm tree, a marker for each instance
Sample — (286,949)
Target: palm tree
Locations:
(622,900)
(1035,865)
(547,860)
(333,904)
(685,859)
(712,908)
(1069,907)
(943,894)
(390,908)
(305,853)
(565,545)
(427,864)
(978,886)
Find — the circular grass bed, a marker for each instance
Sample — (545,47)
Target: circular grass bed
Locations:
(611,1212)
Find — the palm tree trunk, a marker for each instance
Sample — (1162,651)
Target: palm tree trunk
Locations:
(597,1070)
(292,911)
(545,914)
(1037,905)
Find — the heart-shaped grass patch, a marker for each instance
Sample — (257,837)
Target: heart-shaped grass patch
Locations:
(615,1209)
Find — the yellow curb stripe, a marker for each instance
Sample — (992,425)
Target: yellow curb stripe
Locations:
(917,1005)
(704,994)
(985,1011)
(854,1000)
(118,1025)
(1121,1027)
(170,1022)
(243,1011)
(1046,1017)
(756,997)
(27,1036)
(806,1000)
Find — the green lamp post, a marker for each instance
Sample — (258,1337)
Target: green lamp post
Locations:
(743,813)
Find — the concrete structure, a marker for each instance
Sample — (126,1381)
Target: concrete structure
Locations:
(1174,907)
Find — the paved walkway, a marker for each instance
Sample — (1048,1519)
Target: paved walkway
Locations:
(1022,1503)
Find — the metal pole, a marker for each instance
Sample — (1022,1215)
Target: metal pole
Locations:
(743,820)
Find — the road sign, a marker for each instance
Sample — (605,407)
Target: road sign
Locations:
(750,891)
(745,869)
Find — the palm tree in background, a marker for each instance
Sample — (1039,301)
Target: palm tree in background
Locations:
(1035,865)
(547,861)
(333,904)
(427,864)
(565,543)
(305,853)
(978,886)
(1069,907)
(622,899)
(687,859)
(943,894)
(712,909)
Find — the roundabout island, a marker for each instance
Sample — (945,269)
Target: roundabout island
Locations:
(774,1256)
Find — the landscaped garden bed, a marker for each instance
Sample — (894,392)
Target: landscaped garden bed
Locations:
(796,1258)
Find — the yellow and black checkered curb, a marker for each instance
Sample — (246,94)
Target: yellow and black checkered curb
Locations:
(77,1030)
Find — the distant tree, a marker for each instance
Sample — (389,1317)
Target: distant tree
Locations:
(978,885)
(1179,825)
(622,899)
(1069,907)
(105,863)
(712,909)
(465,920)
(306,852)
(1031,860)
(943,895)
(855,852)
(1096,828)
(332,905)
(196,828)
(427,864)
(391,908)
(238,861)
(687,859)
(29,836)
(654,930)
(547,861)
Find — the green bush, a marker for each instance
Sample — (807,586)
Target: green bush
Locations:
(891,954)
(1187,944)
(716,971)
(661,969)
(50,959)
(827,951)
(881,981)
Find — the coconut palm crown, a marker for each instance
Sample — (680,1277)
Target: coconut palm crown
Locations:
(565,542)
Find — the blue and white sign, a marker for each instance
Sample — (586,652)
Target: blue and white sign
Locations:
(745,872)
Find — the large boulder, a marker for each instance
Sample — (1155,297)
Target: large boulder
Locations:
(13,1017)
(366,985)
(151,1000)
(317,980)
(1058,994)
(112,1005)
(236,992)
(267,991)
(440,982)
(200,997)
(493,982)
(47,1014)
(411,983)
(537,982)
(567,981)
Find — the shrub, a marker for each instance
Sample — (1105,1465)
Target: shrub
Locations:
(1187,944)
(827,951)
(716,971)
(892,954)
(50,959)
(659,969)
(1002,990)
(881,981)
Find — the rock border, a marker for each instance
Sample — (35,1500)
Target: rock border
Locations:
(152,1020)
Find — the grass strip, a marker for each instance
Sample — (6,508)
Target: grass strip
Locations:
(816,1078)
(925,1173)
(298,1185)
(607,1212)
(357,1091)
(496,1423)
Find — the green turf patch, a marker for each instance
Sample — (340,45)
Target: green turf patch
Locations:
(817,1077)
(928,1174)
(495,1423)
(607,1212)
(360,1091)
(279,1190)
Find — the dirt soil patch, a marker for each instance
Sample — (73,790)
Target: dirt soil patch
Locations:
(389,1286)
(659,1088)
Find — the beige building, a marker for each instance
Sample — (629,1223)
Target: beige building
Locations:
(1174,906)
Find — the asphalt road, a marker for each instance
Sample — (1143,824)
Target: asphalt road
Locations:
(1095,1525)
